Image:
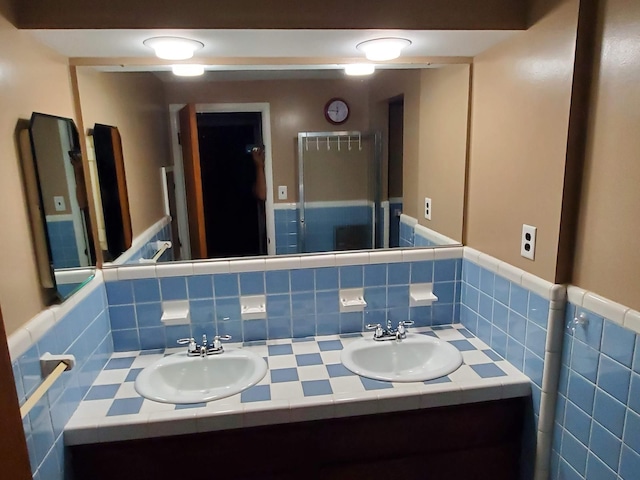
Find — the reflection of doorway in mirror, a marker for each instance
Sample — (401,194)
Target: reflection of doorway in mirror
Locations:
(194,174)
(229,183)
(394,179)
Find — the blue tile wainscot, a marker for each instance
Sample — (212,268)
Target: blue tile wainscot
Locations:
(597,423)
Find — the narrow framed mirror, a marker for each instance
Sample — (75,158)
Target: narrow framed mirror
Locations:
(58,203)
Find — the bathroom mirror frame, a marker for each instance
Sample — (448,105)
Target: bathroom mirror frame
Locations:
(52,277)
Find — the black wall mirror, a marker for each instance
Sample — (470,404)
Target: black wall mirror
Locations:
(112,202)
(58,203)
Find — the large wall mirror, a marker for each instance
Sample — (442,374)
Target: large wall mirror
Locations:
(330,186)
(58,202)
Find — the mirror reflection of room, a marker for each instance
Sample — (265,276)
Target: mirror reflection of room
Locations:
(370,207)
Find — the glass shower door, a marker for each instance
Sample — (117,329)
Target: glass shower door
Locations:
(338,190)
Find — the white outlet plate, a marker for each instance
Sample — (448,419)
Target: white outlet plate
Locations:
(282,192)
(528,241)
(427,208)
(59,204)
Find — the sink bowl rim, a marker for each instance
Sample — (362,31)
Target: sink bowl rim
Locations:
(145,389)
(423,375)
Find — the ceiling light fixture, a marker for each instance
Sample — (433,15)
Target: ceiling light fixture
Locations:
(187,70)
(173,48)
(359,69)
(382,49)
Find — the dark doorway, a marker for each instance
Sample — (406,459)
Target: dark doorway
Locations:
(234,217)
(396,145)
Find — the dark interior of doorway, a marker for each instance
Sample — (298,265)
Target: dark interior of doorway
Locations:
(394,186)
(234,217)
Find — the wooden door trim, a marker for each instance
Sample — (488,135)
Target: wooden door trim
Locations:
(14,456)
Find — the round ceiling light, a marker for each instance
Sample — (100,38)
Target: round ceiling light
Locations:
(187,70)
(173,48)
(359,69)
(382,49)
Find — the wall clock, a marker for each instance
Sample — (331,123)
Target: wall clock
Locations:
(336,111)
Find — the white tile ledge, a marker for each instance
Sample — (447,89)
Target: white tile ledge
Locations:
(547,290)
(613,311)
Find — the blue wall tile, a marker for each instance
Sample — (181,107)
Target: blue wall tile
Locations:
(302,280)
(614,378)
(252,283)
(618,343)
(173,288)
(398,274)
(605,445)
(200,286)
(120,293)
(351,276)
(326,278)
(609,412)
(276,281)
(146,290)
(575,453)
(226,285)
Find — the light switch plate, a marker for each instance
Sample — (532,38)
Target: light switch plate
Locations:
(282,192)
(59,203)
(427,208)
(528,241)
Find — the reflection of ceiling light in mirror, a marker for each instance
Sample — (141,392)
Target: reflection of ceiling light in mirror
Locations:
(359,69)
(173,48)
(382,49)
(187,70)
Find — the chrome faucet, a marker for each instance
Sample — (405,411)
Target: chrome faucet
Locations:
(195,350)
(389,333)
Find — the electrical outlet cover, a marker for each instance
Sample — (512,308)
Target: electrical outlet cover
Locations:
(427,208)
(528,241)
(282,192)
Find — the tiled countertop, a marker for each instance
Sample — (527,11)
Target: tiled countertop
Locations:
(305,381)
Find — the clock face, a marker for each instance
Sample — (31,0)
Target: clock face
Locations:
(336,111)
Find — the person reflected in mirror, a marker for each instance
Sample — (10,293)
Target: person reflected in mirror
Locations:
(260,185)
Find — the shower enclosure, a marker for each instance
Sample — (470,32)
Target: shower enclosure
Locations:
(339,182)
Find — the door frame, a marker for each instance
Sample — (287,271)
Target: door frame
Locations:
(181,204)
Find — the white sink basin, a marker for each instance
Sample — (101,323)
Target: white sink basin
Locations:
(181,379)
(413,359)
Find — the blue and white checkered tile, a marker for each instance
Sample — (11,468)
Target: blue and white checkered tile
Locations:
(305,381)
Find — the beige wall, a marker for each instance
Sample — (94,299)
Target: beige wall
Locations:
(607,259)
(520,115)
(133,102)
(295,106)
(332,175)
(32,78)
(444,114)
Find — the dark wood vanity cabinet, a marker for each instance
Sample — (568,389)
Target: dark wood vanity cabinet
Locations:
(470,442)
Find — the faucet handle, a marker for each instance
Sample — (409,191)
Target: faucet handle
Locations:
(378,329)
(406,323)
(217,345)
(191,341)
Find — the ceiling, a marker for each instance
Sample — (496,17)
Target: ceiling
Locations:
(247,51)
